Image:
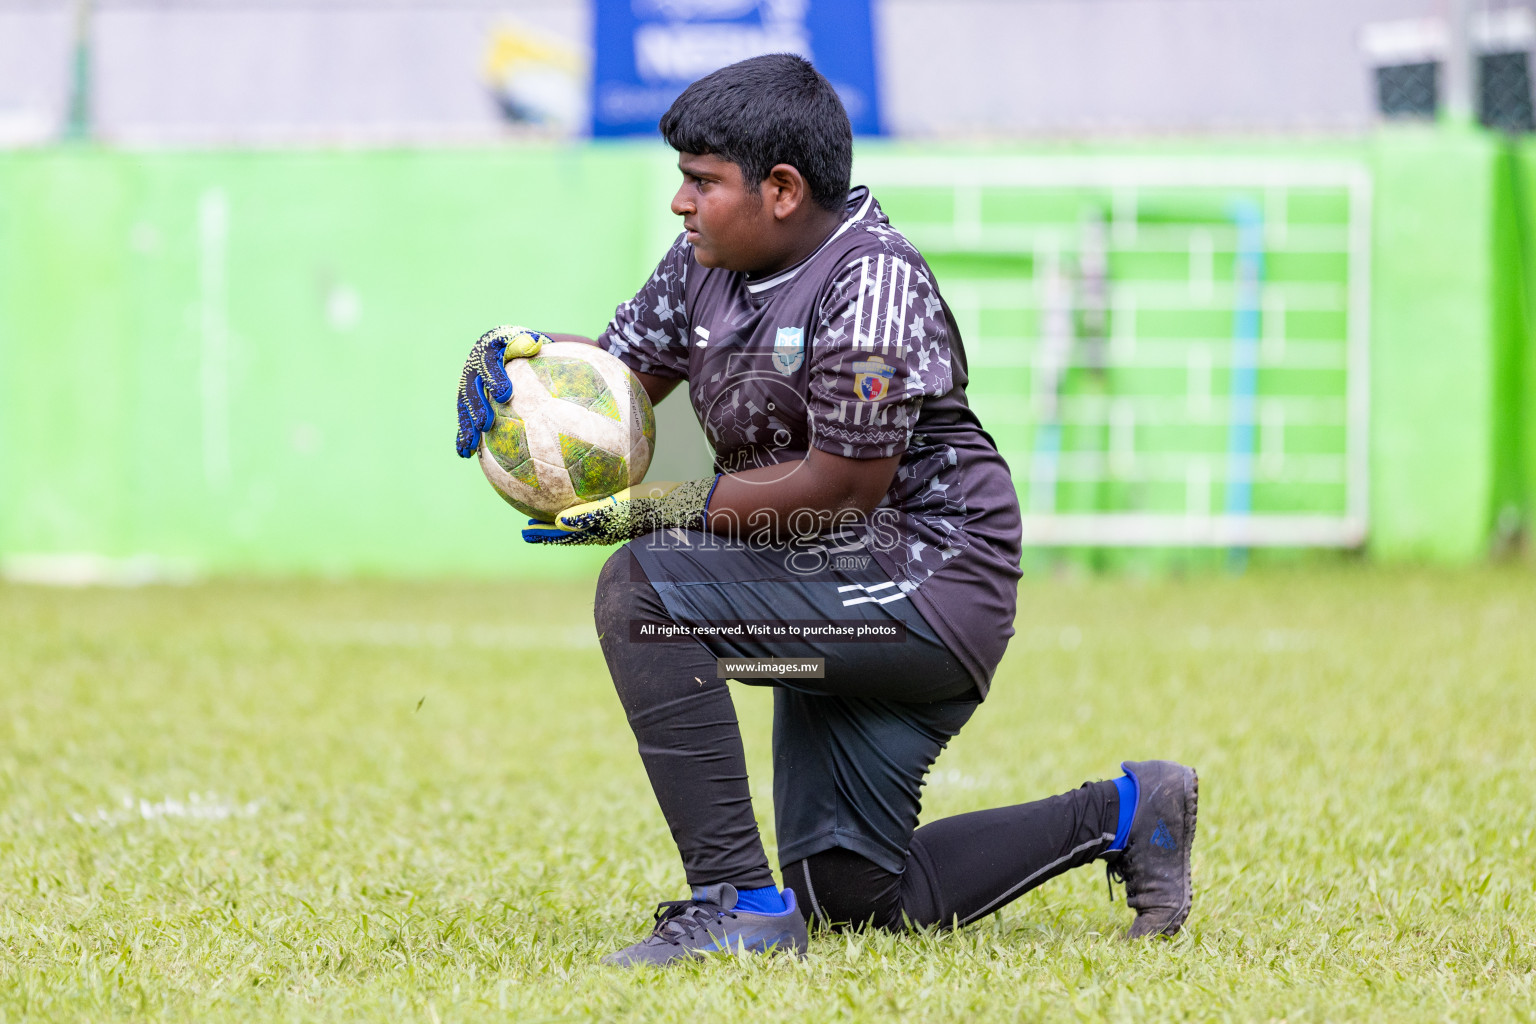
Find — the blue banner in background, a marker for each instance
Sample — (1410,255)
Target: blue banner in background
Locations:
(648,51)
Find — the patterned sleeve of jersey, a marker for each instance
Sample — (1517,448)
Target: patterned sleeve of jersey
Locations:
(881,346)
(650,331)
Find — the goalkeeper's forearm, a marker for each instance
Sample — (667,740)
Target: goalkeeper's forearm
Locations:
(815,489)
(809,496)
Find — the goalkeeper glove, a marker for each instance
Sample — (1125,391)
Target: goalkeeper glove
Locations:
(485,374)
(629,514)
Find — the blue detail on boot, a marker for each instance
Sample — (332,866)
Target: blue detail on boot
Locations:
(711,922)
(1130,796)
(767,900)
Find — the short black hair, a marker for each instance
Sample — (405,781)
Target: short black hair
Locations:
(773,109)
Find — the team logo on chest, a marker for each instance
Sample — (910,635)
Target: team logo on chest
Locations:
(788,349)
(872,378)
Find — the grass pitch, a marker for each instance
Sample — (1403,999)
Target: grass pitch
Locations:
(421,802)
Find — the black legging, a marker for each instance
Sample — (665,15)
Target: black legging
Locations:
(957,869)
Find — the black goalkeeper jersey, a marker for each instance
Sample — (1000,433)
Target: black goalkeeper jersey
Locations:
(852,351)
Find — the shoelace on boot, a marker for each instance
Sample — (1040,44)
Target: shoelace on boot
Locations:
(677,920)
(1112,874)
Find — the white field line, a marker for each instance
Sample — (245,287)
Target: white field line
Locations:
(954,778)
(196,807)
(88,569)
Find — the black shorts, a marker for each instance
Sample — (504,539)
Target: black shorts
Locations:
(850,750)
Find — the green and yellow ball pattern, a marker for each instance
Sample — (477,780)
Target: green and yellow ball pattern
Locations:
(579,427)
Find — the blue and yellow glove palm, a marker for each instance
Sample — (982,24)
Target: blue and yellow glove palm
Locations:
(485,379)
(628,514)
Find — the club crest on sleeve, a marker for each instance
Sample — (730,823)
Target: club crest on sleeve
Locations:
(789,349)
(872,378)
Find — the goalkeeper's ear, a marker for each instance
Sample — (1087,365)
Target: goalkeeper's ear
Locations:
(785,190)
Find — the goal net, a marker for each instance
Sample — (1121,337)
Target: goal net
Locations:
(1169,352)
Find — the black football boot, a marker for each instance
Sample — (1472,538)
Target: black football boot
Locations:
(709,923)
(1155,862)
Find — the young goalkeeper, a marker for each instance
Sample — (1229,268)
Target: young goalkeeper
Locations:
(854,486)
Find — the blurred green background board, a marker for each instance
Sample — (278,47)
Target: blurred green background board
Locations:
(1517,260)
(1444,337)
(242,362)
(245,362)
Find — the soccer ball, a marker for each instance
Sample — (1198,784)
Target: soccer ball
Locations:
(579,427)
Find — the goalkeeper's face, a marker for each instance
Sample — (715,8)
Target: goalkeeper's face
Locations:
(729,223)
